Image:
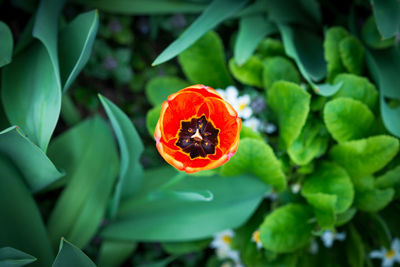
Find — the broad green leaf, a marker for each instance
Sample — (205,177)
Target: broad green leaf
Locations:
(333,36)
(37,169)
(305,48)
(355,248)
(389,179)
(384,66)
(11,257)
(324,208)
(131,148)
(330,179)
(356,87)
(31,94)
(372,37)
(256,157)
(145,7)
(21,222)
(270,48)
(215,13)
(249,73)
(311,143)
(6,45)
(352,54)
(290,104)
(387,14)
(252,29)
(247,132)
(45,29)
(88,155)
(372,199)
(151,119)
(141,219)
(204,62)
(75,43)
(159,88)
(70,255)
(347,119)
(181,248)
(287,228)
(69,112)
(279,68)
(115,253)
(366,156)
(345,217)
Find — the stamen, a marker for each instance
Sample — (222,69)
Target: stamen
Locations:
(197,136)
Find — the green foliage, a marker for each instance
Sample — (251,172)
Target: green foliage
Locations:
(372,37)
(152,118)
(387,16)
(333,36)
(159,88)
(114,253)
(206,54)
(247,132)
(185,247)
(256,157)
(352,54)
(69,254)
(6,46)
(14,258)
(249,73)
(279,68)
(271,47)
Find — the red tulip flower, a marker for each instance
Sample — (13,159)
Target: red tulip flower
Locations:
(197,130)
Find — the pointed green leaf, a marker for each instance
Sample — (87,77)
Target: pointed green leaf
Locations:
(352,54)
(21,222)
(159,88)
(279,68)
(372,37)
(70,255)
(88,155)
(387,14)
(291,105)
(204,62)
(311,143)
(256,157)
(249,73)
(36,167)
(287,228)
(366,156)
(130,147)
(252,29)
(6,45)
(114,253)
(215,13)
(75,43)
(31,94)
(333,36)
(356,87)
(11,257)
(152,118)
(144,219)
(347,119)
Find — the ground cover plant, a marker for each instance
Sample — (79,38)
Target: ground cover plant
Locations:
(299,162)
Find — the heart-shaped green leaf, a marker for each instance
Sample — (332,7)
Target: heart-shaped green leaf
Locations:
(159,88)
(256,157)
(6,45)
(279,68)
(70,255)
(249,73)
(11,257)
(333,36)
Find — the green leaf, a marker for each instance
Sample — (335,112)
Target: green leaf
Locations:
(387,14)
(371,199)
(352,54)
(287,228)
(131,148)
(70,255)
(252,29)
(11,257)
(271,47)
(355,248)
(366,156)
(279,68)
(75,43)
(347,119)
(144,219)
(88,154)
(247,132)
(256,157)
(152,118)
(31,94)
(345,217)
(333,37)
(330,179)
(305,48)
(181,248)
(356,87)
(249,73)
(6,45)
(115,253)
(324,208)
(311,143)
(145,7)
(159,88)
(215,13)
(204,62)
(372,37)
(21,222)
(384,66)
(389,179)
(37,169)
(290,104)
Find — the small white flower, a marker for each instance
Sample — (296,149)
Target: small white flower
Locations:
(256,238)
(328,237)
(295,188)
(252,123)
(222,243)
(240,103)
(270,128)
(389,257)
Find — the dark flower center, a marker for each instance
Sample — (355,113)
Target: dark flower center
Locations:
(198,137)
